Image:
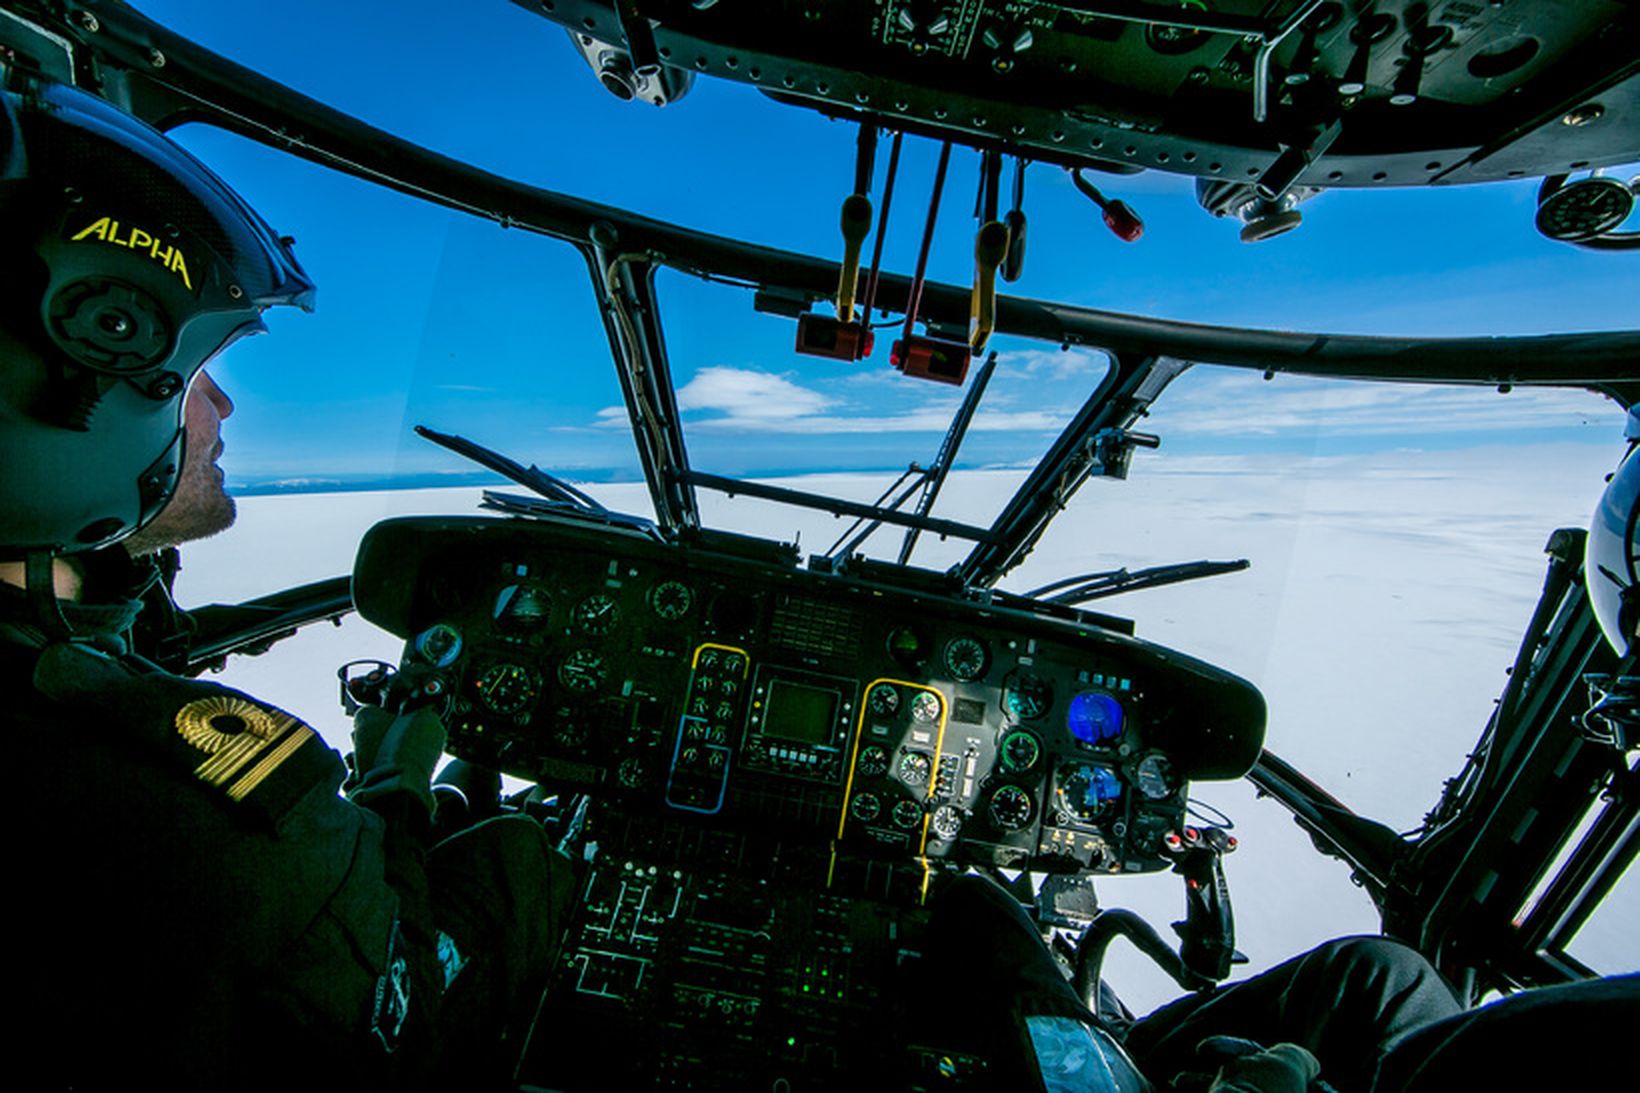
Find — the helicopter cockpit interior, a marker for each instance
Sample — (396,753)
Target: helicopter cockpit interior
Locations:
(771,758)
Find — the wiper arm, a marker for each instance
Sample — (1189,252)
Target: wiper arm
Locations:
(531,478)
(1095,586)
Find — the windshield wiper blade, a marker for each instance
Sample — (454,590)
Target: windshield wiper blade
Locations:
(514,504)
(531,478)
(1095,586)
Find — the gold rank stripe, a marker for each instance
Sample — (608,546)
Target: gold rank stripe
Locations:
(222,767)
(226,763)
(281,751)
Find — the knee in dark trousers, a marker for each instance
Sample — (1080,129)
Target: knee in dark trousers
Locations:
(502,893)
(1345,1001)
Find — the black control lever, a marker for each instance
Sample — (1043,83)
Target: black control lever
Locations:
(1207,935)
(1090,953)
(378,683)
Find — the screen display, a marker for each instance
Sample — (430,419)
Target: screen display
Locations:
(800,713)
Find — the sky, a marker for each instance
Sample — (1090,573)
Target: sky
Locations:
(432,317)
(1395,530)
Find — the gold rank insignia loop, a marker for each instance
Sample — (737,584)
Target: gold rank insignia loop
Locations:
(239,737)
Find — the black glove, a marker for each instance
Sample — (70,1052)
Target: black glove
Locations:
(1242,1066)
(395,754)
(1249,1068)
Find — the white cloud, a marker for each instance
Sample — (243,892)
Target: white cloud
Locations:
(722,399)
(742,394)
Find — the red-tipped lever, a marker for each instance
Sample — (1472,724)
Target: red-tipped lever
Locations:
(1119,217)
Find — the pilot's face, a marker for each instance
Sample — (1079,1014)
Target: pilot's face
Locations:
(201,506)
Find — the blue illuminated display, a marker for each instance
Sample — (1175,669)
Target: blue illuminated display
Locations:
(1095,717)
(1103,787)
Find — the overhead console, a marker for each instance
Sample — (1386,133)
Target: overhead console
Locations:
(1320,93)
(876,717)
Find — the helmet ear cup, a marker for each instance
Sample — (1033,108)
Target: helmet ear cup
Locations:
(109,326)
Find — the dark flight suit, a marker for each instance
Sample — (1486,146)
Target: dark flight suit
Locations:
(1347,1001)
(198,906)
(1373,1011)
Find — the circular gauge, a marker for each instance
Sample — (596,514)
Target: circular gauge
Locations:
(966,659)
(946,823)
(1026,696)
(1011,808)
(596,615)
(1087,791)
(506,688)
(631,773)
(914,768)
(439,645)
(1094,717)
(926,706)
(1019,751)
(1154,777)
(907,814)
(865,807)
(522,608)
(570,732)
(884,699)
(907,647)
(872,763)
(671,600)
(582,671)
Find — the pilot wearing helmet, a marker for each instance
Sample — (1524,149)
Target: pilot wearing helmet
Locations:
(197,902)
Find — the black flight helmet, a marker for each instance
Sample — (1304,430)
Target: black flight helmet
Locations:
(125,265)
(1612,563)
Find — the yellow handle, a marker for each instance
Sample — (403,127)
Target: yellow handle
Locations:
(856,226)
(990,247)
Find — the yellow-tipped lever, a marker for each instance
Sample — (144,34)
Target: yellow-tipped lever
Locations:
(990,248)
(856,226)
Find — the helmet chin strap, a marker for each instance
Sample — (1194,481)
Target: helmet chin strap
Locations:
(39,579)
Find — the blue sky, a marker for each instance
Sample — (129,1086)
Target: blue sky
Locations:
(429,316)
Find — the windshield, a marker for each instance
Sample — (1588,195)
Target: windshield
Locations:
(1395,531)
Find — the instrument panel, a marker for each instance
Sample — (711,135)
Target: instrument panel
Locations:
(714,682)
